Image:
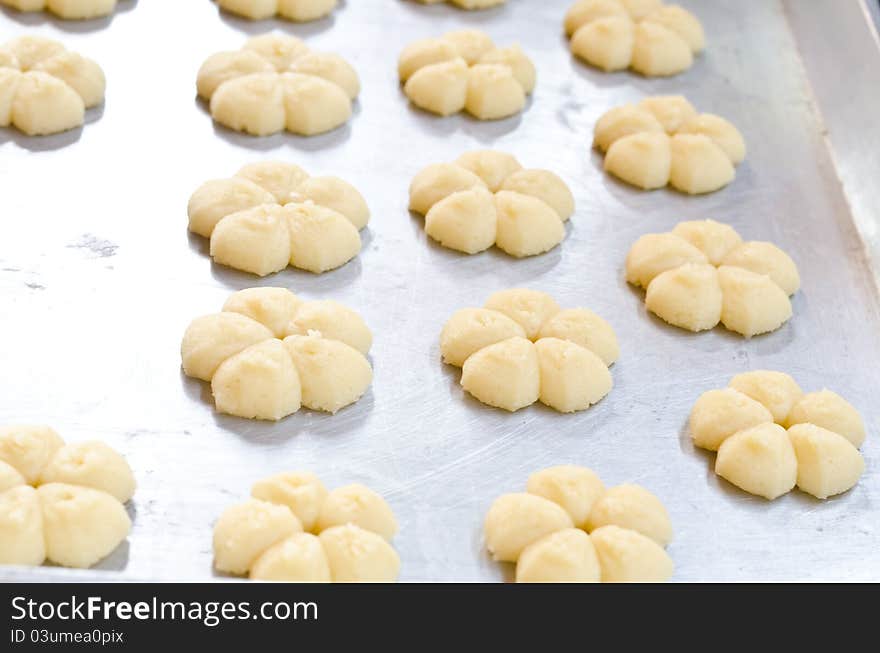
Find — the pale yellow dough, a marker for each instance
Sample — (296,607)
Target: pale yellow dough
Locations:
(745,424)
(777,391)
(75,516)
(718,414)
(565,556)
(45,89)
(275,83)
(568,528)
(701,273)
(487,198)
(273,214)
(516,520)
(662,141)
(465,70)
(633,507)
(574,488)
(299,11)
(831,411)
(267,353)
(522,348)
(651,38)
(627,556)
(359,505)
(81,525)
(759,460)
(294,530)
(65,9)
(827,463)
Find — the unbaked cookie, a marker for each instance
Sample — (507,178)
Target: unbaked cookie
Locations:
(60,502)
(648,36)
(746,424)
(44,88)
(299,11)
(522,348)
(273,214)
(294,530)
(65,9)
(275,83)
(487,198)
(465,70)
(663,140)
(567,527)
(702,273)
(269,352)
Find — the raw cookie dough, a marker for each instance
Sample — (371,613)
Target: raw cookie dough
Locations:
(269,352)
(275,83)
(44,88)
(487,198)
(65,9)
(273,214)
(522,348)
(465,70)
(648,36)
(299,11)
(293,529)
(60,502)
(702,273)
(746,424)
(568,528)
(663,140)
(465,4)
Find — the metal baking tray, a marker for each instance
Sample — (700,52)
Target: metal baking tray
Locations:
(99,278)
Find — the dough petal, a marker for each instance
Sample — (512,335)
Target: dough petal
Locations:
(505,375)
(471,329)
(333,374)
(688,296)
(626,556)
(566,556)
(753,303)
(759,460)
(515,521)
(465,221)
(718,414)
(81,525)
(526,225)
(572,377)
(828,463)
(259,382)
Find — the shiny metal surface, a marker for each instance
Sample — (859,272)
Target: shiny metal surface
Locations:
(99,278)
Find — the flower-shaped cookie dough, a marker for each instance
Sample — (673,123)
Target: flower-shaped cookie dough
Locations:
(746,424)
(465,4)
(522,348)
(274,83)
(702,273)
(651,38)
(466,70)
(567,528)
(60,502)
(293,530)
(663,140)
(300,11)
(272,214)
(487,198)
(65,9)
(269,352)
(45,89)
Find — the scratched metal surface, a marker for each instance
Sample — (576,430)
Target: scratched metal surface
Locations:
(99,278)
